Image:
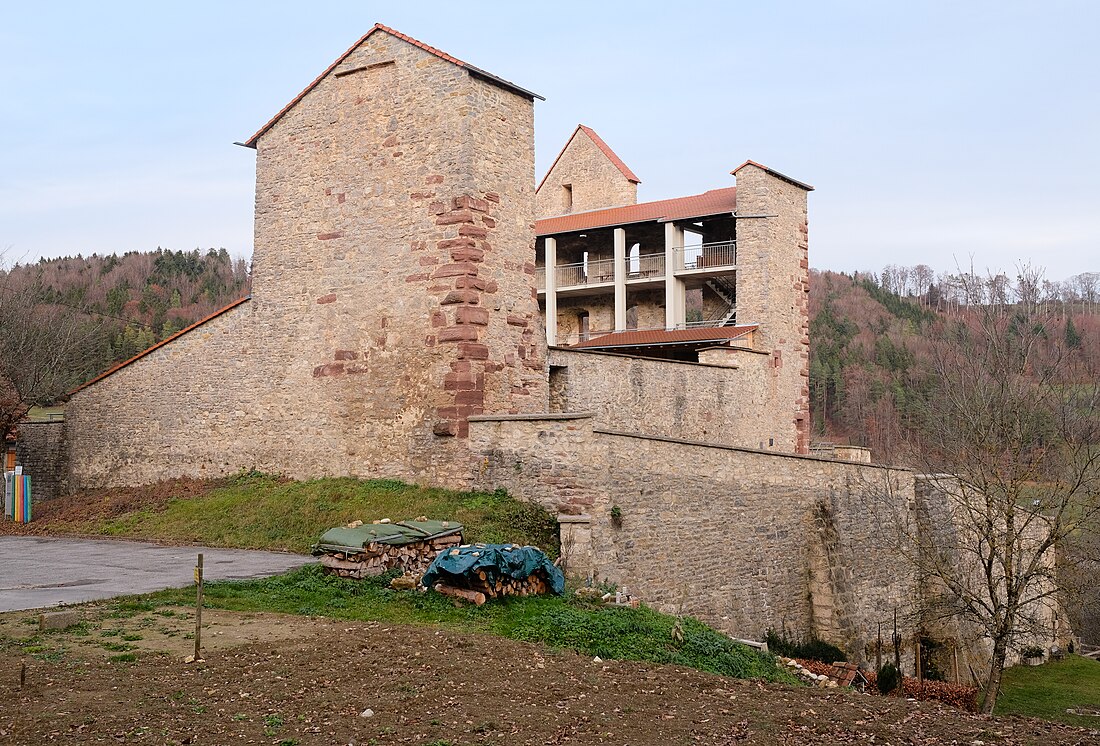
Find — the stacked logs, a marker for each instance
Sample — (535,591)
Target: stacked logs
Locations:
(376,558)
(480,588)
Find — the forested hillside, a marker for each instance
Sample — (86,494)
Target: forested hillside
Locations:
(123,304)
(873,340)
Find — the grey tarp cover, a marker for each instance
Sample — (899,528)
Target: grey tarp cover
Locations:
(352,540)
(496,560)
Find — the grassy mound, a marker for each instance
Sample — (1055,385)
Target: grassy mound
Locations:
(260,511)
(1049,691)
(565,623)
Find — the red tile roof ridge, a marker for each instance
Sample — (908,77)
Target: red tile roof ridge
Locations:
(710,202)
(160,344)
(652,337)
(599,143)
(251,142)
(773,172)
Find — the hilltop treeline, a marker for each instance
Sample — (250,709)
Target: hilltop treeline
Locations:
(873,340)
(126,303)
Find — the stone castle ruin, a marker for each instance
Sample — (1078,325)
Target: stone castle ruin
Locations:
(421,311)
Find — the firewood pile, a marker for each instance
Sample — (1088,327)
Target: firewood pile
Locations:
(479,572)
(360,550)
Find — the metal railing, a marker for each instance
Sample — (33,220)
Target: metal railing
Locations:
(645,266)
(707,255)
(576,337)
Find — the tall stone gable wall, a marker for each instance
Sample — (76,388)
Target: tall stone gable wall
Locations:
(773,285)
(746,540)
(596,181)
(716,403)
(393,294)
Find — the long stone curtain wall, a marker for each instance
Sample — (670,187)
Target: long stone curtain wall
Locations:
(745,539)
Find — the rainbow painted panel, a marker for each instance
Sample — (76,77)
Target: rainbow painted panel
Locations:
(21,498)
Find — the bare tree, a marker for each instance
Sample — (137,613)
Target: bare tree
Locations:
(41,346)
(1010,431)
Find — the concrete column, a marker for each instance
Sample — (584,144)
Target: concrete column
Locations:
(620,279)
(675,293)
(551,294)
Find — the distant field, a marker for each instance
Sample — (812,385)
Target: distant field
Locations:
(41,414)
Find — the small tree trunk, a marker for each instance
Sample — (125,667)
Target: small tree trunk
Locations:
(996,669)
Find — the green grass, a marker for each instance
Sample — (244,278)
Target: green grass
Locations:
(563,623)
(1047,691)
(259,511)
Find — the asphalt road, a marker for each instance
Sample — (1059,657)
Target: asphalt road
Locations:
(37,572)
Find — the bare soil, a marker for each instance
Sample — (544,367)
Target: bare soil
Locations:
(287,681)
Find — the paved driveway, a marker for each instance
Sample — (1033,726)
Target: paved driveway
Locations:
(36,572)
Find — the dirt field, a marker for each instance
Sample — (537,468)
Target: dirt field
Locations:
(286,681)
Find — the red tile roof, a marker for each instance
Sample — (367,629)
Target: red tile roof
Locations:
(157,346)
(379,27)
(607,151)
(714,202)
(774,173)
(659,337)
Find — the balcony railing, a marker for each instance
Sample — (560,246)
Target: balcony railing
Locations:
(708,255)
(577,337)
(646,266)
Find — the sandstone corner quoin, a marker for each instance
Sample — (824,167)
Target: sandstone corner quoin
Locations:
(421,311)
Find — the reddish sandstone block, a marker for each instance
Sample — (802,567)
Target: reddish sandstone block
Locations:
(472,351)
(329,369)
(455,216)
(493,197)
(345,355)
(467,255)
(458,334)
(330,236)
(455,270)
(439,319)
(330,298)
(456,243)
(418,277)
(488,222)
(474,231)
(469,397)
(434,179)
(472,315)
(460,296)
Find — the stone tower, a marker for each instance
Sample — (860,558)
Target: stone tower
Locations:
(393,291)
(394,206)
(773,287)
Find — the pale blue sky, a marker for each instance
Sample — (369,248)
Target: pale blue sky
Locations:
(933,131)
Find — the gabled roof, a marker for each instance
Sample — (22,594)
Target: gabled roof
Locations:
(662,337)
(162,343)
(604,147)
(714,202)
(774,173)
(475,71)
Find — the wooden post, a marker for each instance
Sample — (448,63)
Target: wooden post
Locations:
(955,655)
(878,650)
(198,608)
(916,652)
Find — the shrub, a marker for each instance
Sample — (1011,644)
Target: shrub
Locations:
(888,678)
(814,649)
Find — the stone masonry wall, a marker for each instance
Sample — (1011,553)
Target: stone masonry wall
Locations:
(41,453)
(596,181)
(773,283)
(711,402)
(393,293)
(744,539)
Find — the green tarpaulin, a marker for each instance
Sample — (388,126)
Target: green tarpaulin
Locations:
(496,560)
(352,540)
